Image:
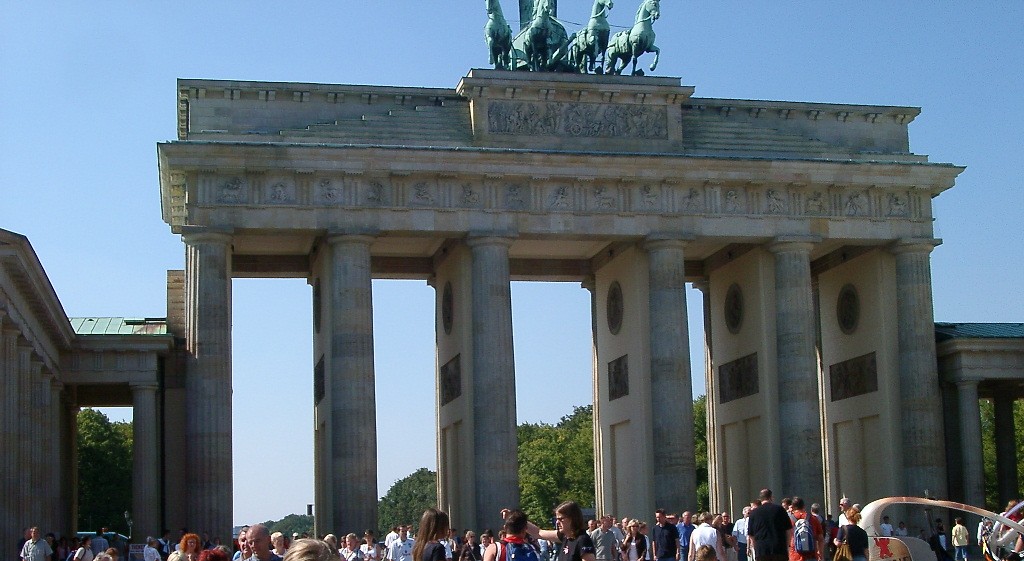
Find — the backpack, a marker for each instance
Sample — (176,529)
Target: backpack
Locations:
(803,535)
(518,551)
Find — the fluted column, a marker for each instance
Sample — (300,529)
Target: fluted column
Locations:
(675,475)
(69,465)
(970,442)
(26,436)
(1006,450)
(10,518)
(920,399)
(494,379)
(351,381)
(710,393)
(55,457)
(208,382)
(145,461)
(590,284)
(797,366)
(39,385)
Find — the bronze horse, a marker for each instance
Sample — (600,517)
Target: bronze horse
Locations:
(499,36)
(627,46)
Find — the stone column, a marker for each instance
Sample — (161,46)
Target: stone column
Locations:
(39,385)
(970,442)
(145,461)
(920,400)
(1006,450)
(710,392)
(494,379)
(590,284)
(55,459)
(797,365)
(69,465)
(675,475)
(10,436)
(350,378)
(27,435)
(208,383)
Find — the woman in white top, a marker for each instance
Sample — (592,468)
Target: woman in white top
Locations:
(369,547)
(84,552)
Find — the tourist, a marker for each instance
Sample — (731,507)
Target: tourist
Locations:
(310,550)
(277,543)
(109,554)
(739,533)
(665,541)
(433,529)
(188,549)
(350,551)
(706,534)
(634,547)
(685,527)
(854,536)
(769,530)
(150,552)
(486,539)
(514,538)
(470,550)
(643,532)
(84,552)
(725,526)
(390,537)
(959,536)
(569,531)
(215,553)
(606,545)
(705,553)
(369,548)
(244,551)
(35,549)
(401,547)
(814,548)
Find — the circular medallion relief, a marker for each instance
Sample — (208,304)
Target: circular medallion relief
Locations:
(316,305)
(446,308)
(848,309)
(615,308)
(734,309)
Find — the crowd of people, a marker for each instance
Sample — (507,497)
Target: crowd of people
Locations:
(789,530)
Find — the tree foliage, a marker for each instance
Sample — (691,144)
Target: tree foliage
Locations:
(988,431)
(700,451)
(104,471)
(406,500)
(556,463)
(292,524)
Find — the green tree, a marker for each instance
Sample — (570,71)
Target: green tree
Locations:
(988,443)
(700,451)
(292,524)
(406,500)
(104,471)
(556,463)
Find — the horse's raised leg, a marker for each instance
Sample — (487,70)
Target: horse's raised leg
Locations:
(657,53)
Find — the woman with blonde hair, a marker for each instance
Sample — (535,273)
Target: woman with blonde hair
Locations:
(434,525)
(311,550)
(634,545)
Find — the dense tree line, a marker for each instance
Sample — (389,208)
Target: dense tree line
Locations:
(104,471)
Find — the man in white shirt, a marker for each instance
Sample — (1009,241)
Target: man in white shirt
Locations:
(36,548)
(739,531)
(885,528)
(401,548)
(150,552)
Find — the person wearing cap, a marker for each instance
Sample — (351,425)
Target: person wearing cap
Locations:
(369,548)
(150,552)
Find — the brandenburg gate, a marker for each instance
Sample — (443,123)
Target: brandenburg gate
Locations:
(807,226)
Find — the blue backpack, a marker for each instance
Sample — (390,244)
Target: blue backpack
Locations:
(803,535)
(518,551)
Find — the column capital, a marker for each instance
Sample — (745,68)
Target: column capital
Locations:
(914,245)
(702,285)
(489,238)
(967,383)
(198,234)
(666,241)
(143,386)
(785,244)
(589,283)
(335,237)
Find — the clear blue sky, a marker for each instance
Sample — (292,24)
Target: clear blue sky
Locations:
(88,89)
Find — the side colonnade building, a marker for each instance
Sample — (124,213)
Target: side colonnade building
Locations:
(807,226)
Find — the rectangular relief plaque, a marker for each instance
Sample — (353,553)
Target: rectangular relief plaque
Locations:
(854,377)
(451,380)
(618,378)
(738,378)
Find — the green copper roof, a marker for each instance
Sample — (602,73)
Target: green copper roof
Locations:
(119,326)
(947,331)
